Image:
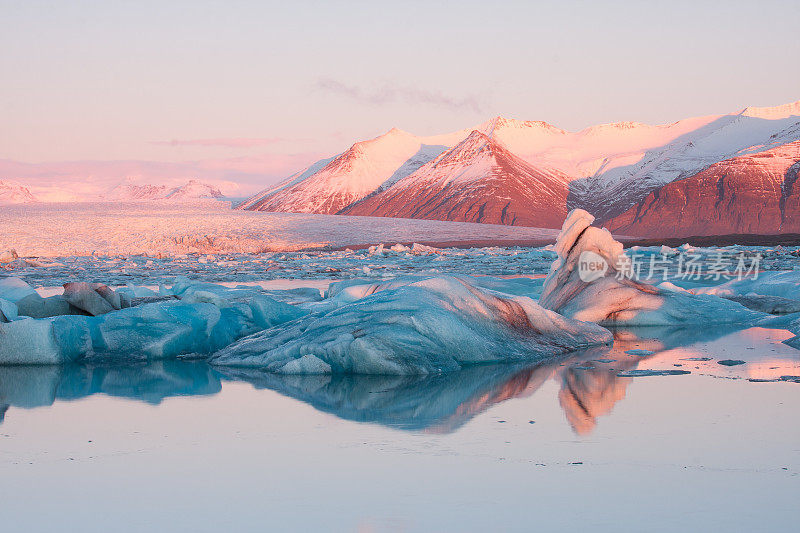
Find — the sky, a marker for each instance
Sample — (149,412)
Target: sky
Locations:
(250,91)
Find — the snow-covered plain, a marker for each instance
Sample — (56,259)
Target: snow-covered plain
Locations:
(81,229)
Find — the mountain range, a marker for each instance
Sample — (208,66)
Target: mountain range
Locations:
(12,192)
(191,190)
(710,175)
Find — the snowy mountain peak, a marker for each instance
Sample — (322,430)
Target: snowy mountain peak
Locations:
(500,123)
(773,113)
(614,127)
(476,144)
(12,192)
(192,190)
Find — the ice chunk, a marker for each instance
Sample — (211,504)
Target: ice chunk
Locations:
(155,330)
(14,289)
(94,298)
(775,305)
(132,292)
(8,256)
(399,248)
(431,325)
(420,249)
(785,284)
(640,353)
(30,303)
(44,341)
(585,283)
(8,310)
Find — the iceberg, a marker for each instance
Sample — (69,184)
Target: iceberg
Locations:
(201,323)
(600,294)
(426,326)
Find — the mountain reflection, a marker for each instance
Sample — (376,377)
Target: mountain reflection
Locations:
(589,384)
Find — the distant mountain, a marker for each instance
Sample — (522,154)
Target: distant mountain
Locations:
(755,193)
(479,180)
(333,184)
(129,191)
(192,190)
(519,172)
(14,193)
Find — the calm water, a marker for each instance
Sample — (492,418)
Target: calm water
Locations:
(571,444)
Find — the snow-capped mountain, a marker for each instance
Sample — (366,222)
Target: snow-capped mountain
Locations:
(192,190)
(754,193)
(130,192)
(479,180)
(14,193)
(330,185)
(607,168)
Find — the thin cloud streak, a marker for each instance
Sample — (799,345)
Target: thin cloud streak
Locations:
(390,93)
(222,143)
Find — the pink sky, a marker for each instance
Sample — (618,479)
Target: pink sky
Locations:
(248,92)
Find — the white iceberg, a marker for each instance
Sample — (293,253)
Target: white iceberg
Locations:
(430,325)
(595,291)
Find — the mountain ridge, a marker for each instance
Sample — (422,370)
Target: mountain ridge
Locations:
(607,168)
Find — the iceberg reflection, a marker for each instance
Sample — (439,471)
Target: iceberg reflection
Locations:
(590,381)
(36,386)
(442,403)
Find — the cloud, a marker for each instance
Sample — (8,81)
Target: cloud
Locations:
(222,143)
(390,93)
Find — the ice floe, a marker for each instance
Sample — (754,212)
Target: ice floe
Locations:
(431,325)
(184,319)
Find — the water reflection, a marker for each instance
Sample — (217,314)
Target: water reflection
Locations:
(589,383)
(36,386)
